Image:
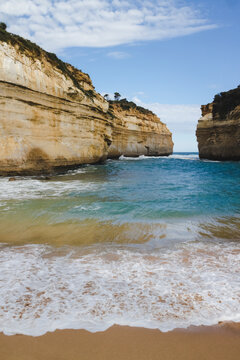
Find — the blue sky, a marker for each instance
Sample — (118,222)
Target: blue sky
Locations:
(170,56)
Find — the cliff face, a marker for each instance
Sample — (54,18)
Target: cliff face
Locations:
(50,115)
(137,131)
(218,130)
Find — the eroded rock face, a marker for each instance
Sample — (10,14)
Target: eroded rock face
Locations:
(40,133)
(52,118)
(138,131)
(218,130)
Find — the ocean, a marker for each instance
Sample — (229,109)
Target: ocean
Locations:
(150,242)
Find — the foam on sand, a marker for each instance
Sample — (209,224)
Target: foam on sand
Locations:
(44,288)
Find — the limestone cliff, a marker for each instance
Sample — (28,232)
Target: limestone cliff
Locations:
(51,117)
(218,130)
(137,131)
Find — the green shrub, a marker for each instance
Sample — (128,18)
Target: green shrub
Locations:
(117,96)
(127,105)
(225,102)
(3,26)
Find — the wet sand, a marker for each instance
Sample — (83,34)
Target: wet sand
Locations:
(197,343)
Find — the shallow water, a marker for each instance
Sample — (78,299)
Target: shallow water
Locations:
(151,242)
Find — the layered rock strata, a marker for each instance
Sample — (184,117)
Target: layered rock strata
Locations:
(137,131)
(218,130)
(51,117)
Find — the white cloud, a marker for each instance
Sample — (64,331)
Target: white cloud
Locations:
(100,23)
(118,55)
(180,119)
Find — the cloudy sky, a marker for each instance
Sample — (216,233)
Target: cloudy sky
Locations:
(170,56)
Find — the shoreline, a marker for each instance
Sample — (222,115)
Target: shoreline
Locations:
(221,341)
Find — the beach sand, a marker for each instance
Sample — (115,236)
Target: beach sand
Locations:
(205,343)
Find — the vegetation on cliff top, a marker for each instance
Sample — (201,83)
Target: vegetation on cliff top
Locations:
(225,102)
(32,50)
(127,105)
(3,26)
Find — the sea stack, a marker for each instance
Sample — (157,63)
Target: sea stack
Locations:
(218,130)
(51,117)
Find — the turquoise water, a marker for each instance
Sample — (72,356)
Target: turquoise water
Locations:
(129,190)
(151,242)
(158,188)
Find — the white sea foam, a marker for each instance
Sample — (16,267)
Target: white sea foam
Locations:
(80,170)
(191,157)
(43,289)
(35,189)
(87,208)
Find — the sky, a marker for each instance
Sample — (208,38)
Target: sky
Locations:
(168,56)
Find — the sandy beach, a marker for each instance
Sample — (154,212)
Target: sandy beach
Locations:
(198,343)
